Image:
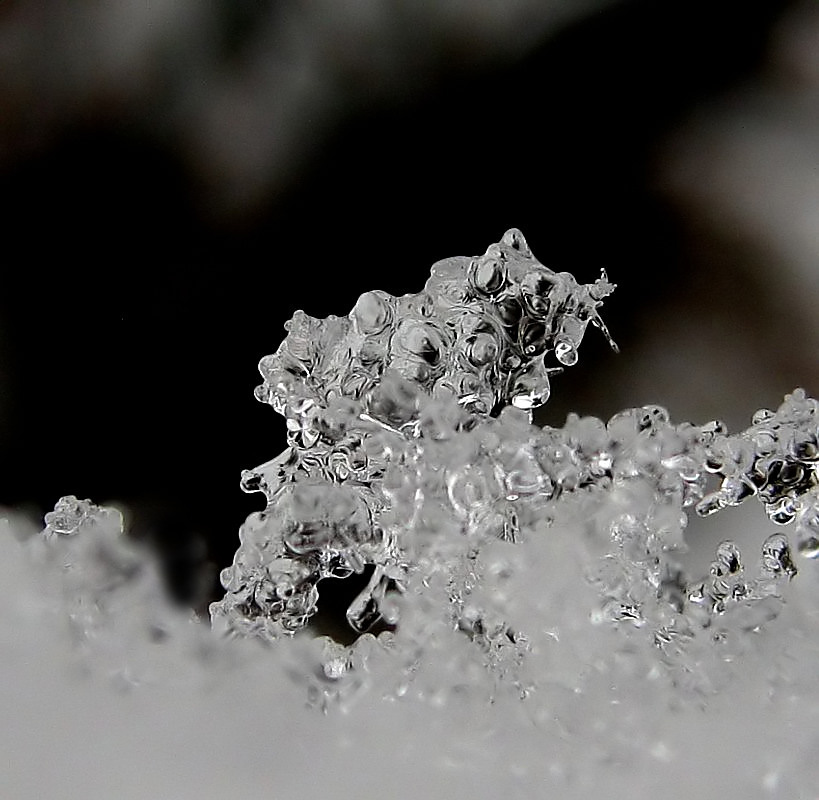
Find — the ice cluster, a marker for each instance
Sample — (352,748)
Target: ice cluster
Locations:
(373,402)
(526,624)
(412,455)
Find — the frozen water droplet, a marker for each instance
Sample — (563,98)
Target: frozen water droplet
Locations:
(68,516)
(709,505)
(487,274)
(514,238)
(713,429)
(761,416)
(371,313)
(728,559)
(535,287)
(566,353)
(530,391)
(776,556)
(532,338)
(482,349)
(365,610)
(509,312)
(782,511)
(250,481)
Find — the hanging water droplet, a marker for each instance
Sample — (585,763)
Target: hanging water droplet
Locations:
(530,391)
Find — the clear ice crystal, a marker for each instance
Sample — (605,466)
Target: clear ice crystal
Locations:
(382,408)
(411,450)
(68,516)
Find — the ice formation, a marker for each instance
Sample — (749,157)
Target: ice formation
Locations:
(376,403)
(411,449)
(527,622)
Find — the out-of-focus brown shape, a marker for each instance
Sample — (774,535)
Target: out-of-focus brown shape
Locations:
(744,174)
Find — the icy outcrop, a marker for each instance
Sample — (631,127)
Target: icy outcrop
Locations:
(388,407)
(412,454)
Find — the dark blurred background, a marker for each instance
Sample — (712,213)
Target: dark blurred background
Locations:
(177,178)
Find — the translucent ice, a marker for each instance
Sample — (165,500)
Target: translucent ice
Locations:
(386,409)
(412,449)
(523,626)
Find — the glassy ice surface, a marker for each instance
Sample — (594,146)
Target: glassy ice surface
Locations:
(525,628)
